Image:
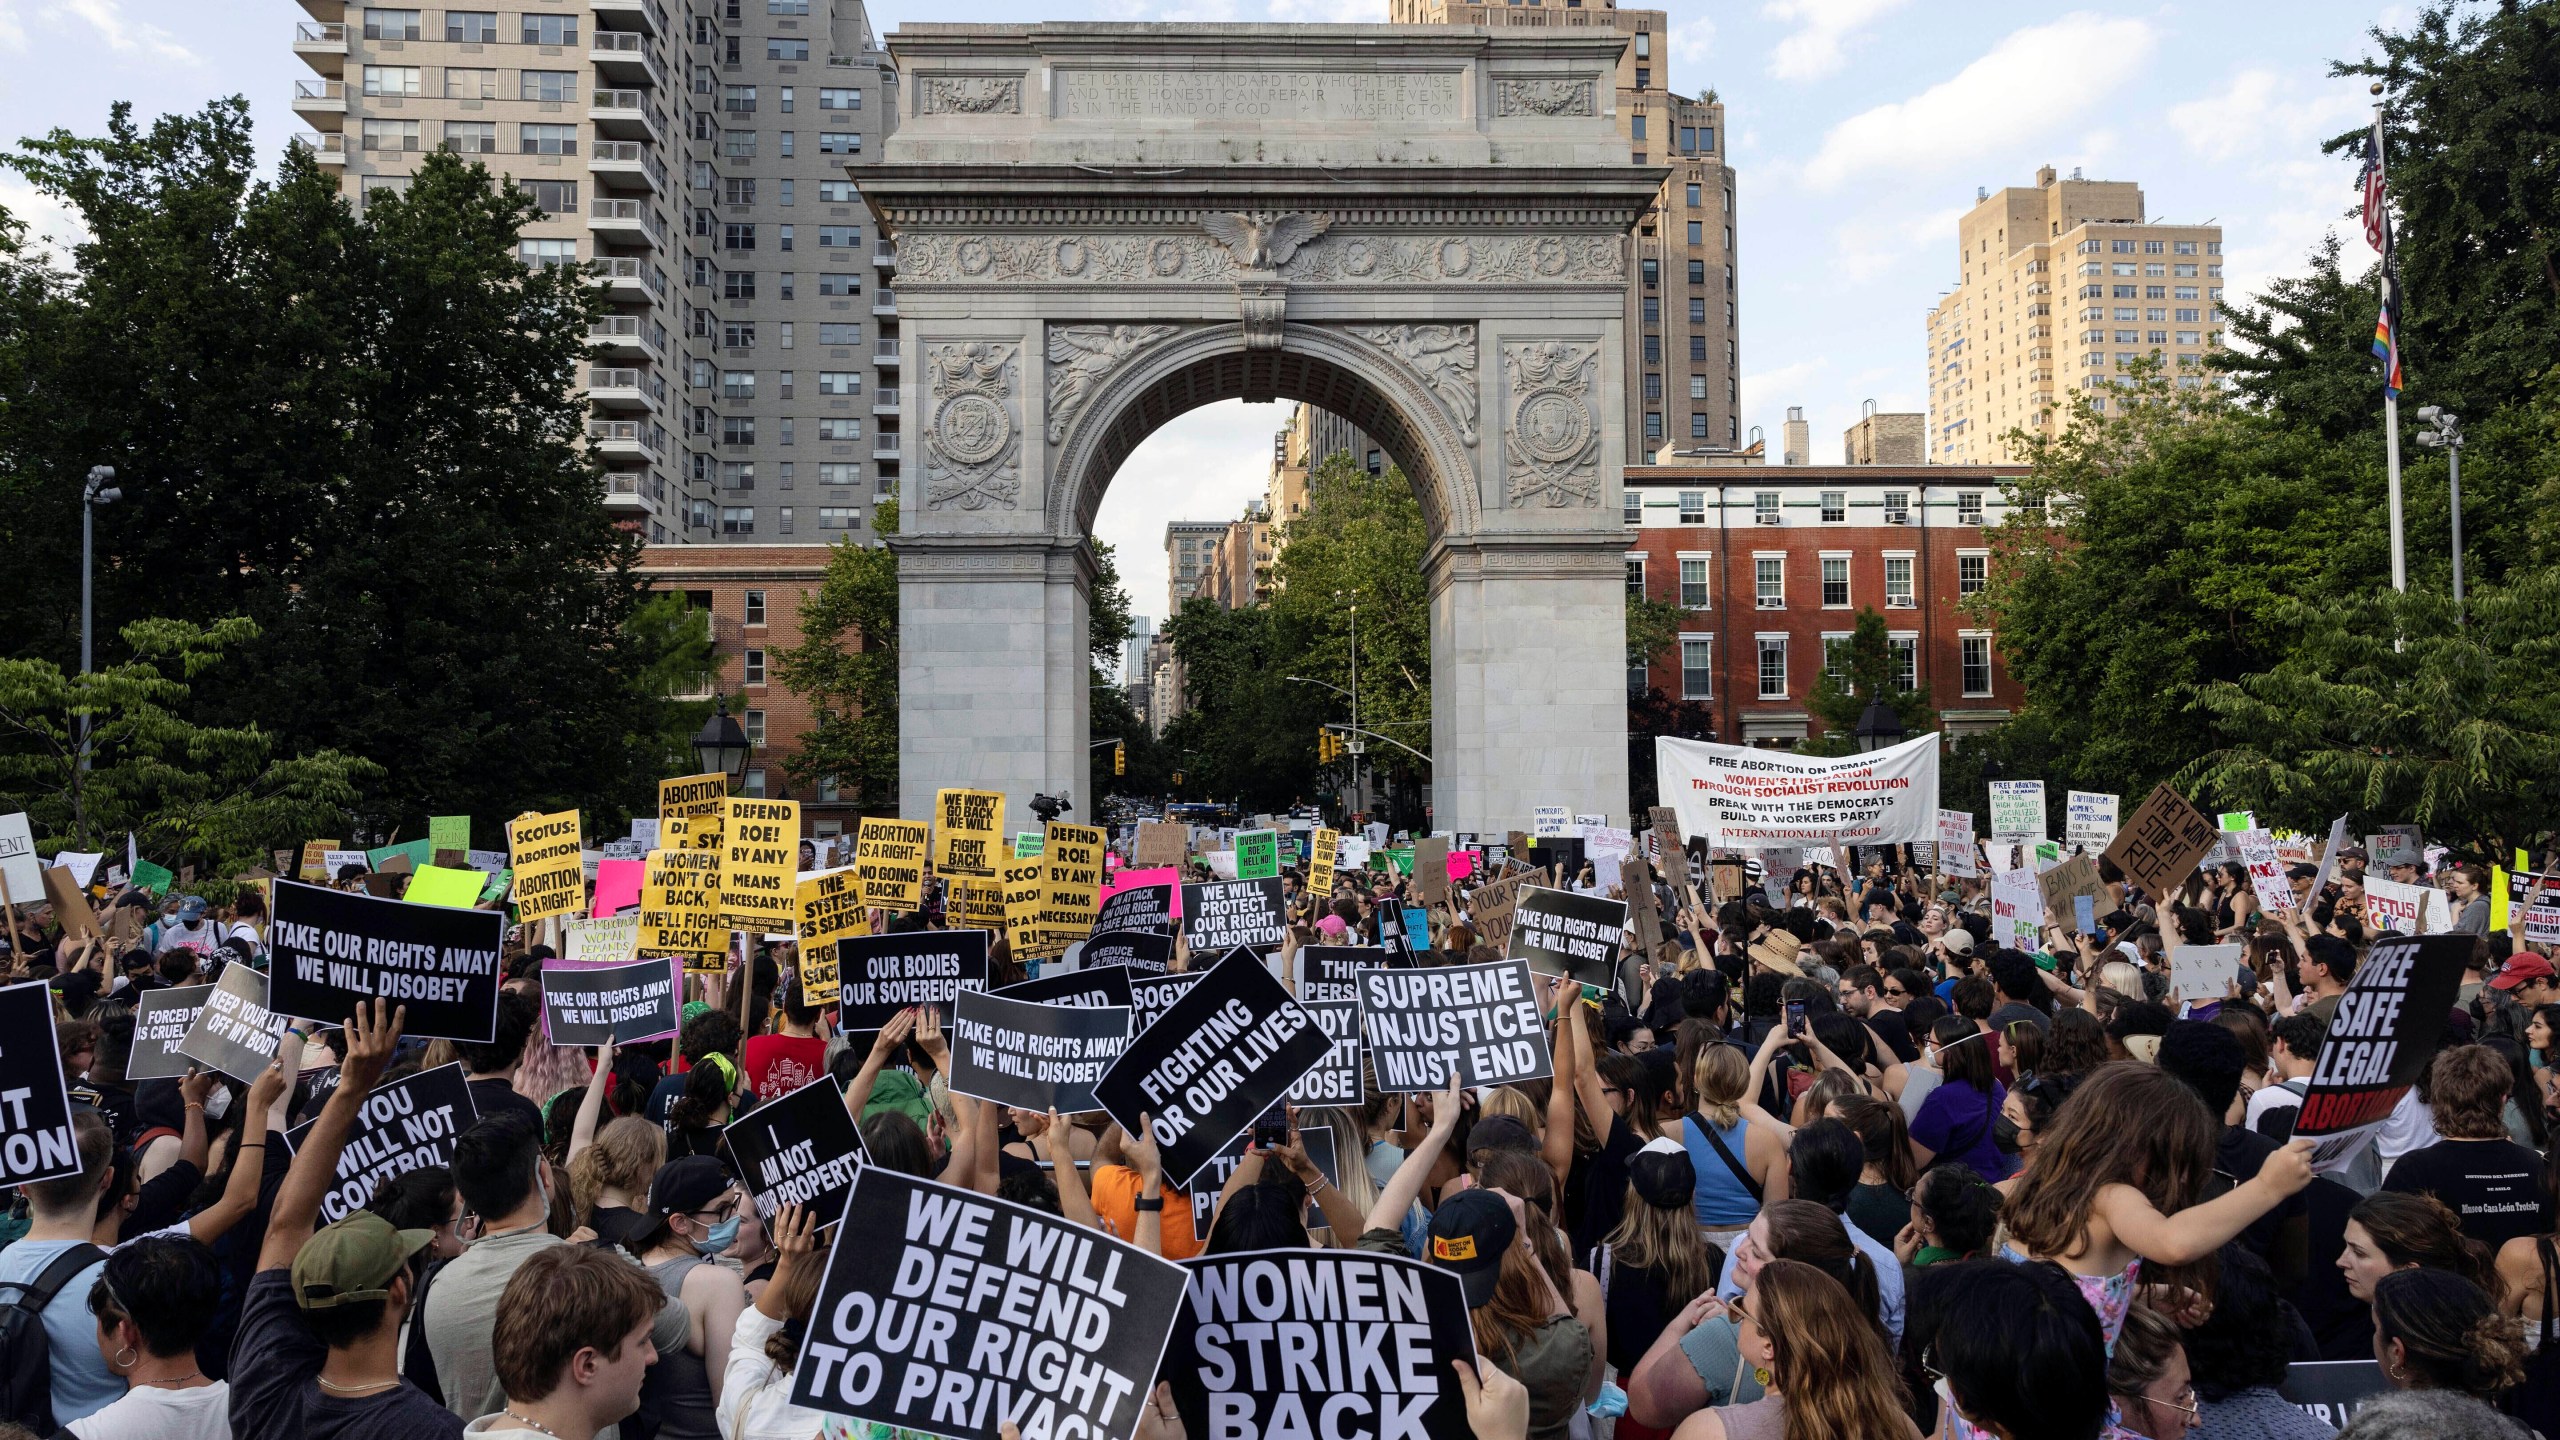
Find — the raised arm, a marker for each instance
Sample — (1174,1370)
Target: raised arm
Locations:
(857,1096)
(1565,996)
(1073,1201)
(248,1167)
(2199,1230)
(1405,1186)
(370,1036)
(582,1131)
(193,1148)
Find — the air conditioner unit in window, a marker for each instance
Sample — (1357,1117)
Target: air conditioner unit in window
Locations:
(1764,519)
(1900,602)
(1897,517)
(1770,602)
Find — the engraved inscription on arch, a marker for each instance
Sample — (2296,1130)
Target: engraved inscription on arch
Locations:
(1398,97)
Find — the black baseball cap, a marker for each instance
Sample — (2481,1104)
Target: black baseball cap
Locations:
(1663,1175)
(1469,1234)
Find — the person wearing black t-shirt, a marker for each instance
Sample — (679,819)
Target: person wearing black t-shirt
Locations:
(2491,1182)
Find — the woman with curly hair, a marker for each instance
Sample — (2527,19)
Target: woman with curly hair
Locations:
(2434,1330)
(2389,1232)
(1830,1376)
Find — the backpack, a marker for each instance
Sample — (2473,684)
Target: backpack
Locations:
(26,1352)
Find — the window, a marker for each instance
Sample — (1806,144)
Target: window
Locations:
(1769,582)
(838,98)
(1697,310)
(1698,426)
(738,144)
(550,30)
(839,237)
(1835,581)
(1652,310)
(1693,507)
(390,24)
(1968,507)
(1652,271)
(1835,506)
(738,474)
(786,439)
(1977,663)
(1835,658)
(753,785)
(839,382)
(755,728)
(786,384)
(1653,349)
(1897,582)
(547,139)
(1773,667)
(786,7)
(1631,508)
(786,185)
(1694,195)
(741,520)
(1897,507)
(391,135)
(835,192)
(737,284)
(1637,124)
(1697,347)
(838,474)
(738,385)
(829,284)
(1906,661)
(547,253)
(1697,667)
(1652,386)
(1644,81)
(471,137)
(738,430)
(839,333)
(786,237)
(1697,232)
(738,99)
(840,429)
(738,190)
(1973,573)
(471,27)
(782,47)
(401,80)
(461,84)
(552,197)
(839,142)
(1635,577)
(834,517)
(1764,507)
(738,237)
(1694,589)
(1653,424)
(1697,272)
(754,667)
(555,85)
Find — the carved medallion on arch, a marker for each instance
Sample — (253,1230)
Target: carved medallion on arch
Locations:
(973,435)
(1551,433)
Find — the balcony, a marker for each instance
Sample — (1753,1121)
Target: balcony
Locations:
(322,45)
(327,149)
(626,279)
(628,161)
(626,220)
(647,15)
(321,101)
(886,257)
(626,337)
(614,387)
(626,115)
(622,492)
(623,57)
(884,303)
(624,440)
(885,355)
(884,447)
(885,402)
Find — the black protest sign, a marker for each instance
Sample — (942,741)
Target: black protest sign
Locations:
(161,1020)
(1336,1078)
(35,1103)
(1152,995)
(1034,1056)
(950,1313)
(2332,1391)
(1318,1143)
(1326,972)
(802,1149)
(333,950)
(621,1003)
(1368,1345)
(1561,933)
(2381,1037)
(1140,907)
(235,1032)
(1477,1022)
(1213,1062)
(1144,952)
(879,975)
(1220,917)
(1107,985)
(402,1126)
(1564,852)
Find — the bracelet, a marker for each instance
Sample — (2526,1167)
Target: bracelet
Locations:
(1143,1203)
(252,1145)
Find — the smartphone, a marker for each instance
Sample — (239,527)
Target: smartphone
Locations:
(1795,1018)
(1272,1130)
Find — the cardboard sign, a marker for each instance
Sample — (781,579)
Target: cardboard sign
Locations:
(1379,1334)
(888,860)
(1668,850)
(622,1003)
(1644,909)
(968,833)
(1150,996)
(2406,909)
(1030,941)
(2017,909)
(1211,1064)
(2017,809)
(234,1032)
(1478,1022)
(70,903)
(1034,1056)
(680,905)
(975,904)
(1492,905)
(2384,1032)
(406,1125)
(2395,845)
(618,880)
(543,851)
(1551,821)
(2266,872)
(35,1110)
(2089,818)
(329,949)
(1071,859)
(1316,1140)
(601,942)
(2202,974)
(831,909)
(1161,843)
(1955,843)
(879,975)
(315,866)
(1258,855)
(2542,921)
(1101,987)
(1336,1078)
(2158,848)
(1561,933)
(2075,876)
(454,889)
(1331,972)
(1220,917)
(803,1149)
(760,865)
(1324,854)
(161,1020)
(692,797)
(1142,907)
(448,832)
(1431,869)
(897,1322)
(1141,952)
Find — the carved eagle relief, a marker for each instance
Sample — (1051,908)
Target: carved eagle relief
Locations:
(1265,242)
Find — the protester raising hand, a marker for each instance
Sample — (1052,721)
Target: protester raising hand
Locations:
(901,1027)
(1497,1405)
(1405,1186)
(1050,1139)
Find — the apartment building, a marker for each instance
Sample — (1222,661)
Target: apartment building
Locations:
(1312,437)
(1190,553)
(745,382)
(2066,285)
(1773,563)
(1683,338)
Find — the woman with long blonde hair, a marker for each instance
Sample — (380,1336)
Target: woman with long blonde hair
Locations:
(1652,1265)
(609,1178)
(1741,1165)
(1829,1375)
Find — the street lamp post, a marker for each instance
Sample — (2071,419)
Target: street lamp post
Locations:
(1879,728)
(100,490)
(2447,436)
(721,745)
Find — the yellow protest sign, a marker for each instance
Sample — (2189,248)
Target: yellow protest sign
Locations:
(968,833)
(976,905)
(888,855)
(542,850)
(760,864)
(680,906)
(315,860)
(1022,911)
(694,798)
(830,910)
(1322,846)
(1070,882)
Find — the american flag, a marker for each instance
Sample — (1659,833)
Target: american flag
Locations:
(2377,226)
(2377,233)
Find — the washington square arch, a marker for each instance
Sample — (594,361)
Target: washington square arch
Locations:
(1101,226)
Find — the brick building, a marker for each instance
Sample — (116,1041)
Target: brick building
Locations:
(1775,562)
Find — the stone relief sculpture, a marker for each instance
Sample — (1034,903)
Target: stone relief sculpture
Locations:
(1551,438)
(1443,357)
(1323,258)
(972,440)
(1542,97)
(971,95)
(1081,357)
(1263,241)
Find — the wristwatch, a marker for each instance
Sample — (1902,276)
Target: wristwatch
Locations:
(1143,1203)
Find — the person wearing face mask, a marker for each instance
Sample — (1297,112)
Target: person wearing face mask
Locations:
(2023,1115)
(696,1209)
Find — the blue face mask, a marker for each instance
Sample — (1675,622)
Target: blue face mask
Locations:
(718,1239)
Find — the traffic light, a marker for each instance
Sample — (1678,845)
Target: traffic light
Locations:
(1120,758)
(1177,778)
(1328,747)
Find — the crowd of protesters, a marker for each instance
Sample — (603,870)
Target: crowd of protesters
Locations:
(1825,1164)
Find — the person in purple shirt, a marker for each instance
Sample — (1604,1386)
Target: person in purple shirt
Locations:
(1955,1122)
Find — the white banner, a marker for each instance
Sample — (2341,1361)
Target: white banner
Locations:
(2406,909)
(2017,810)
(2089,818)
(1741,797)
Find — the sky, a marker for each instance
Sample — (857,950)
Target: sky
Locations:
(1860,131)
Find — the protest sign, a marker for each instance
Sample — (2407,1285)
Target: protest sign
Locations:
(1107,985)
(234,1032)
(974,904)
(2201,975)
(692,797)
(2159,847)
(1022,911)
(968,833)
(2396,845)
(1219,917)
(448,832)
(330,949)
(2406,909)
(1316,1140)
(1132,877)
(803,1149)
(1477,1022)
(2542,919)
(680,906)
(1644,909)
(2075,876)
(36,1142)
(622,1003)
(1431,869)
(543,851)
(1547,821)
(2017,810)
(888,861)
(1032,1055)
(2089,817)
(618,882)
(399,859)
(2266,871)
(338,862)
(1142,907)
(760,864)
(2384,1032)
(1331,972)
(1161,843)
(1738,796)
(1060,1335)
(1351,853)
(1563,856)
(1143,952)
(406,1125)
(2332,1391)
(2017,908)
(315,864)
(2329,852)
(1492,905)
(70,903)
(1324,855)
(1258,855)
(831,909)
(1376,1335)
(1152,995)
(601,942)
(1205,1068)
(161,1020)
(1561,933)
(1667,844)
(1336,1078)
(1028,844)
(441,885)
(880,975)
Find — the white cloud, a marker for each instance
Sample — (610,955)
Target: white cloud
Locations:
(1766,394)
(1333,12)
(1823,28)
(52,228)
(2051,72)
(119,32)
(1874,243)
(13,27)
(2261,111)
(1692,40)
(1203,465)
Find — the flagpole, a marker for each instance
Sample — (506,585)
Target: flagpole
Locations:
(2391,399)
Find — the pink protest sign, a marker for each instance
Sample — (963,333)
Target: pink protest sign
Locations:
(1127,879)
(617,886)
(1462,863)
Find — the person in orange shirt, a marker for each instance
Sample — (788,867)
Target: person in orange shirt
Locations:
(1126,1172)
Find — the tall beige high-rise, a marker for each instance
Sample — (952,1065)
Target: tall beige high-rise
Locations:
(2064,285)
(745,383)
(1683,343)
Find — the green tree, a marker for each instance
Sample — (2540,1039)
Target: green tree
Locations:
(219,797)
(846,669)
(1249,735)
(1359,542)
(1653,626)
(675,658)
(1859,669)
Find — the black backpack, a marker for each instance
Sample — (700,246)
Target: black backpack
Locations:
(26,1352)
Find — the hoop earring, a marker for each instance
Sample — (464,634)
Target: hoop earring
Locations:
(125,1358)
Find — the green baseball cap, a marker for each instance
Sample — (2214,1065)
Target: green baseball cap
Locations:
(353,1261)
